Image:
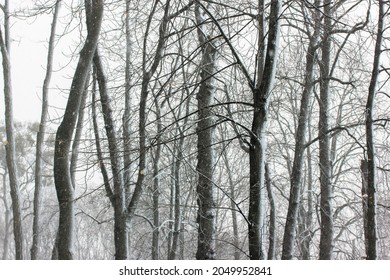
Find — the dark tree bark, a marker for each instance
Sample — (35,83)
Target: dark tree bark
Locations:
(205,131)
(127,131)
(77,136)
(272,215)
(99,153)
(371,235)
(156,187)
(41,136)
(120,214)
(326,239)
(363,169)
(62,178)
(10,142)
(257,151)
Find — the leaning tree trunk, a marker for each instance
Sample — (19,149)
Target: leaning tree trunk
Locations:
(41,136)
(63,183)
(299,151)
(272,215)
(10,142)
(371,236)
(120,215)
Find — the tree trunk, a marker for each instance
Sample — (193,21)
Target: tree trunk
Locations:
(299,152)
(41,136)
(63,183)
(99,153)
(120,215)
(371,237)
(257,151)
(127,132)
(309,213)
(272,215)
(77,136)
(10,142)
(205,131)
(156,188)
(326,239)
(7,217)
(363,169)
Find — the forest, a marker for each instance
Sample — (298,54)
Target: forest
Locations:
(198,129)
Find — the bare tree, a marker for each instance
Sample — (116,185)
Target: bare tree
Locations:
(10,142)
(64,187)
(300,138)
(326,241)
(371,184)
(41,135)
(257,153)
(146,77)
(205,167)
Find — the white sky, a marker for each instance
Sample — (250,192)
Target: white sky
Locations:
(28,57)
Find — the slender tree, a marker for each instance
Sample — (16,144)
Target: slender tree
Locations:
(41,134)
(146,77)
(127,132)
(371,227)
(300,139)
(120,231)
(9,126)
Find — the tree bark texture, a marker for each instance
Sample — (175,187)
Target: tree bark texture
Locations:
(371,237)
(62,178)
(326,239)
(205,132)
(257,151)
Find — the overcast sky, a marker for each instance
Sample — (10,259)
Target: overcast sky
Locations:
(28,57)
